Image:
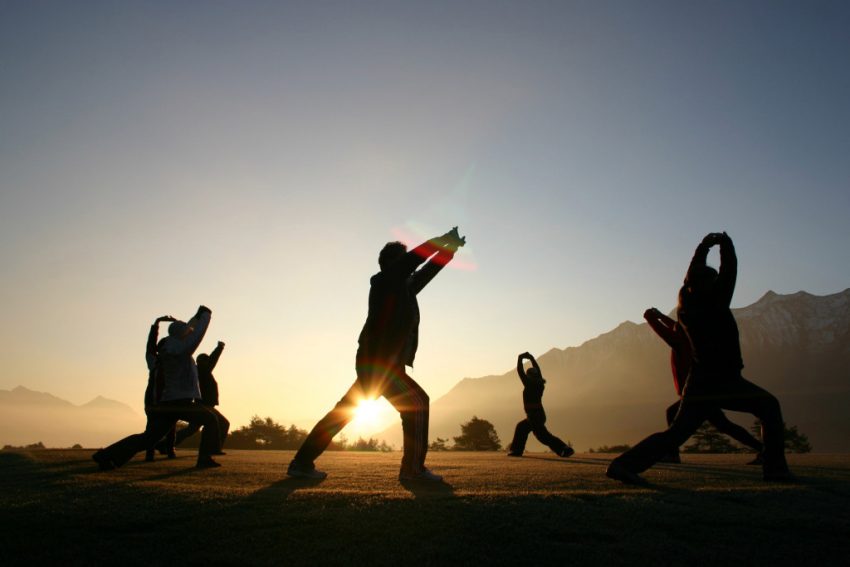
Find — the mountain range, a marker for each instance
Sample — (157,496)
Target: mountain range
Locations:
(613,389)
(28,417)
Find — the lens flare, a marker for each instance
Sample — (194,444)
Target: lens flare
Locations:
(445,213)
(367,413)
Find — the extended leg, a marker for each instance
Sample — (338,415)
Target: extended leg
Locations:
(412,403)
(323,432)
(723,424)
(517,446)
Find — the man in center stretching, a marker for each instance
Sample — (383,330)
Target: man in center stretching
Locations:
(387,344)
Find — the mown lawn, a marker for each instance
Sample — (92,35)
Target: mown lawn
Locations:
(55,506)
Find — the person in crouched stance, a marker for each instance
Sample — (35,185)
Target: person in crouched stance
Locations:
(535,418)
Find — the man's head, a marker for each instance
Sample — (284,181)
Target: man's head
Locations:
(391,253)
(179,329)
(202,360)
(533,374)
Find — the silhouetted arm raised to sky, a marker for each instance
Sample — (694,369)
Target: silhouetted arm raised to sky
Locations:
(520,369)
(216,354)
(439,251)
(199,323)
(153,335)
(698,261)
(663,325)
(728,275)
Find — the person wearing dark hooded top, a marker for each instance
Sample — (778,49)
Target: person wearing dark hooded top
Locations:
(672,333)
(535,418)
(388,343)
(714,380)
(209,398)
(178,400)
(154,387)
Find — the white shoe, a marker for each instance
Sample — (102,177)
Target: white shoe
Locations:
(425,475)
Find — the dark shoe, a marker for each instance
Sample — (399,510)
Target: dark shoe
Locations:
(103,461)
(759,460)
(672,458)
(171,454)
(512,454)
(299,470)
(617,471)
(566,452)
(424,475)
(207,463)
(149,456)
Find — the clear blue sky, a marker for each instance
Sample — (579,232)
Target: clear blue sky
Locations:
(255,156)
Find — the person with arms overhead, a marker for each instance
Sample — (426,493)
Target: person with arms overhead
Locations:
(387,344)
(535,418)
(209,398)
(680,361)
(179,398)
(154,388)
(715,379)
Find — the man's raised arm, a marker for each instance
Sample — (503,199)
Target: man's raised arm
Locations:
(728,274)
(216,354)
(445,247)
(700,256)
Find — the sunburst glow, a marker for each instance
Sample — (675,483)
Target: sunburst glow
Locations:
(367,412)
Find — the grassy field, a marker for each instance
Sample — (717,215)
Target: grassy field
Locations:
(56,506)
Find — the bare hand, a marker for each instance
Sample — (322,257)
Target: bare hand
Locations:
(651,313)
(221,344)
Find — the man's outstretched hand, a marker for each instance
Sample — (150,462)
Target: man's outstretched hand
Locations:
(453,240)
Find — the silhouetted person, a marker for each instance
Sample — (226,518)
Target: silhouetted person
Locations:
(535,418)
(387,344)
(209,398)
(179,398)
(715,379)
(680,361)
(154,388)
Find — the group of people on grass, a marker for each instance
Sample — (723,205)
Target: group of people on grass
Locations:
(706,362)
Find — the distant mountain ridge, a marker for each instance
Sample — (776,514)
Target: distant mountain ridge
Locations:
(27,416)
(614,388)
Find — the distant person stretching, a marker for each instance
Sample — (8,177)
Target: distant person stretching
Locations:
(179,398)
(154,389)
(715,379)
(209,398)
(535,418)
(680,361)
(388,343)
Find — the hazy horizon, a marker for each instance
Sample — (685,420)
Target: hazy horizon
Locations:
(255,156)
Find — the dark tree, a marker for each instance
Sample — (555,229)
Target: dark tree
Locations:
(795,442)
(265,434)
(439,445)
(370,444)
(707,439)
(477,435)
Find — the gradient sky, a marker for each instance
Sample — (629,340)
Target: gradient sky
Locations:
(255,156)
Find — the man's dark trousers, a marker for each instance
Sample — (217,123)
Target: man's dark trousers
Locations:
(705,392)
(535,422)
(162,418)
